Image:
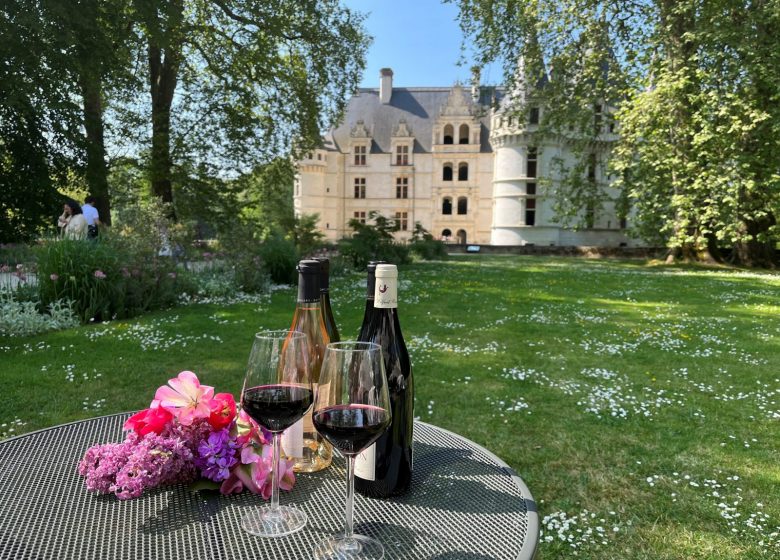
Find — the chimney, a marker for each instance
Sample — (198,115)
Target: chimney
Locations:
(385,85)
(475,75)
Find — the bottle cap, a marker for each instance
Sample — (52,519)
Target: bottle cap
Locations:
(309,281)
(309,266)
(386,271)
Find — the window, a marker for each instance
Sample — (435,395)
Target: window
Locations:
(402,219)
(511,121)
(590,214)
(530,169)
(530,188)
(463,171)
(446,206)
(533,115)
(319,157)
(463,205)
(449,133)
(597,115)
(361,217)
(360,187)
(463,134)
(530,212)
(623,222)
(446,234)
(402,155)
(446,173)
(402,187)
(592,168)
(360,155)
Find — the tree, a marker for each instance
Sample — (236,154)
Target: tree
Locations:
(234,84)
(693,84)
(37,117)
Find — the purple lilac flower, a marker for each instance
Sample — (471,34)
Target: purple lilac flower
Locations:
(100,275)
(53,277)
(129,468)
(217,455)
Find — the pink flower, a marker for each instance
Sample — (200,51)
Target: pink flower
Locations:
(171,275)
(53,277)
(186,398)
(150,420)
(223,410)
(19,267)
(100,275)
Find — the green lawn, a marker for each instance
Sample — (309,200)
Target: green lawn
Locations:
(641,405)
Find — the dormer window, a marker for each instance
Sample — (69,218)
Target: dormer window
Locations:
(360,155)
(402,155)
(463,134)
(449,133)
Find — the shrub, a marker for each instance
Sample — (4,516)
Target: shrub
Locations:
(280,259)
(81,271)
(21,318)
(373,242)
(425,246)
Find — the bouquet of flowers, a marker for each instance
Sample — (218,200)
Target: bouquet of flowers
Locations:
(187,433)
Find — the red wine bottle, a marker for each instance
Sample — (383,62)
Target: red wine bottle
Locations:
(385,468)
(302,442)
(327,312)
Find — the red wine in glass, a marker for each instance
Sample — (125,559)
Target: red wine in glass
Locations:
(277,407)
(351,428)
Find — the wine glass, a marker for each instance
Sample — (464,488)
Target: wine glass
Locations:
(277,393)
(351,410)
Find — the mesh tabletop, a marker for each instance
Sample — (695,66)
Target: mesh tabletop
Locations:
(465,503)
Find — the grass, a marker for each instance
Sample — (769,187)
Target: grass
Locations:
(640,404)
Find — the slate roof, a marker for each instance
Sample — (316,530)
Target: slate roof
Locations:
(419,107)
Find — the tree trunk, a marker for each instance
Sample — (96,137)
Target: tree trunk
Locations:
(164,53)
(163,75)
(97,171)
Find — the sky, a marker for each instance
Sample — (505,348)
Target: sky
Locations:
(420,40)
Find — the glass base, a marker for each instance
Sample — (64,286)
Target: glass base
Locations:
(357,547)
(264,522)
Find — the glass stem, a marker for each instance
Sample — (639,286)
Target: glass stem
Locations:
(350,496)
(275,474)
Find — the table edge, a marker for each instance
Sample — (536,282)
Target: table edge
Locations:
(529,547)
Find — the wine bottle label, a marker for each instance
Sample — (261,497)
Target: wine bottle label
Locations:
(292,440)
(365,463)
(386,293)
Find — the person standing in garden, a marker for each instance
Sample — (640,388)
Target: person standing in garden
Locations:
(72,221)
(92,217)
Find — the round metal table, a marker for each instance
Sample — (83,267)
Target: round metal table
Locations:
(465,503)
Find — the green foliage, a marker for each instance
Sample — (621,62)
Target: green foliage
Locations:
(693,91)
(373,242)
(280,259)
(425,246)
(305,234)
(22,318)
(84,272)
(128,271)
